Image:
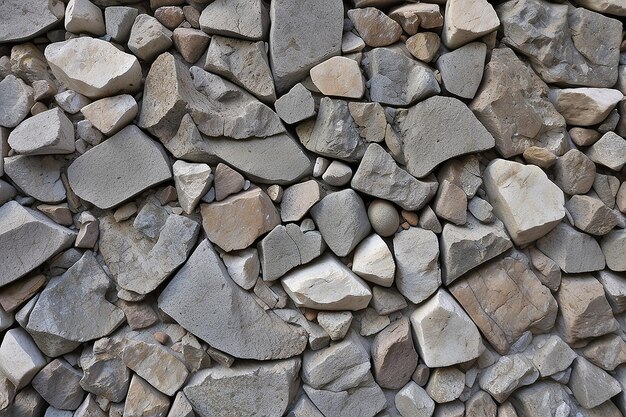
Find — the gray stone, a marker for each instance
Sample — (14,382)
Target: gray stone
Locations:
(378,175)
(45,239)
(150,219)
(480,404)
(466,21)
(609,151)
(105,374)
(225,316)
(16,98)
(584,106)
(374,262)
(227,182)
(550,354)
(292,54)
(337,174)
(465,172)
(363,401)
(481,210)
(574,172)
(287,247)
(613,245)
(243,62)
(413,401)
(93,67)
(614,289)
(254,388)
(383,217)
(326,284)
(59,384)
(572,47)
(304,408)
(387,300)
(181,407)
(544,398)
(607,352)
(451,203)
(119,22)
(61,320)
(465,247)
(82,16)
(607,188)
(21,21)
(109,115)
(341,232)
(20,359)
(418,274)
(590,385)
(591,215)
(572,250)
(245,19)
(318,337)
(395,78)
(462,69)
(445,384)
(149,38)
(50,132)
(119,168)
(374,27)
(429,133)
(37,176)
(296,105)
(243,267)
(393,355)
(335,323)
(506,375)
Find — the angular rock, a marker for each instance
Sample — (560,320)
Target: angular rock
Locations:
(61,320)
(613,245)
(119,168)
(480,403)
(105,374)
(119,22)
(513,105)
(50,132)
(465,172)
(445,384)
(338,76)
(245,19)
(37,176)
(444,332)
(243,62)
(418,274)
(20,359)
(144,400)
(296,105)
(591,215)
(335,323)
(413,401)
(429,133)
(393,355)
(378,175)
(424,45)
(550,354)
(543,398)
(16,98)
(261,388)
(574,172)
(82,16)
(149,38)
(298,199)
(507,282)
(609,151)
(395,78)
(411,16)
(614,289)
(370,119)
(337,174)
(373,261)
(226,316)
(605,6)
(59,384)
(109,115)
(573,251)
(523,197)
(192,183)
(326,284)
(607,352)
(46,239)
(506,375)
(238,221)
(481,209)
(93,67)
(584,106)
(590,385)
(227,182)
(465,21)
(291,53)
(451,203)
(462,69)
(20,21)
(366,401)
(584,310)
(374,27)
(341,232)
(191,43)
(572,47)
(541,157)
(466,247)
(287,247)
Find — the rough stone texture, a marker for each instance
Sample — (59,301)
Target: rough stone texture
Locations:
(235,223)
(203,299)
(16,98)
(119,21)
(591,215)
(45,239)
(509,282)
(296,105)
(466,21)
(59,384)
(109,115)
(298,199)
(261,388)
(451,203)
(607,352)
(20,359)
(584,106)
(105,373)
(513,105)
(572,250)
(336,324)
(411,16)
(550,354)
(326,284)
(412,400)
(227,182)
(445,334)
(523,197)
(374,262)
(584,310)
(506,375)
(466,247)
(614,289)
(82,16)
(365,400)
(338,76)
(192,183)
(574,172)
(292,54)
(393,355)
(93,67)
(378,175)
(38,176)
(245,19)
(119,168)
(613,245)
(149,38)
(423,46)
(341,233)
(445,384)
(61,320)
(609,150)
(144,400)
(429,133)
(462,69)
(191,43)
(418,274)
(374,27)
(50,132)
(20,21)
(590,385)
(571,55)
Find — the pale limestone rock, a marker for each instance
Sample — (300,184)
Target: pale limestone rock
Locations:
(413,401)
(50,132)
(614,289)
(93,67)
(465,172)
(445,334)
(82,16)
(17,100)
(110,115)
(393,355)
(506,375)
(192,183)
(351,43)
(59,384)
(374,262)
(584,106)
(245,19)
(338,76)
(573,251)
(227,182)
(451,203)
(591,215)
(466,21)
(298,199)
(574,172)
(414,15)
(20,359)
(445,384)
(149,38)
(374,27)
(335,323)
(607,352)
(613,246)
(523,197)
(423,45)
(144,400)
(38,176)
(337,174)
(614,7)
(541,157)
(119,22)
(550,354)
(609,150)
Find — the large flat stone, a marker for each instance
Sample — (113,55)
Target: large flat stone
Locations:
(21,20)
(573,251)
(38,176)
(49,132)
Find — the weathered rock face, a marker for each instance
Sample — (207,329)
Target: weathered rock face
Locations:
(21,21)
(572,250)
(510,282)
(572,47)
(584,106)
(17,100)
(204,300)
(261,388)
(61,319)
(513,105)
(38,176)
(50,132)
(393,355)
(429,133)
(506,375)
(246,19)
(460,17)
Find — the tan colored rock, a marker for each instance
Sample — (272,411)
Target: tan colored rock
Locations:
(17,293)
(451,203)
(574,172)
(110,115)
(149,38)
(505,298)
(584,310)
(191,43)
(609,151)
(227,181)
(423,45)
(614,247)
(170,16)
(591,215)
(393,355)
(607,352)
(143,400)
(445,384)
(82,16)
(541,157)
(468,20)
(412,16)
(585,106)
(236,222)
(338,76)
(370,120)
(375,28)
(298,199)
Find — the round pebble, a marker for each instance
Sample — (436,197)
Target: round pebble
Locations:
(383,217)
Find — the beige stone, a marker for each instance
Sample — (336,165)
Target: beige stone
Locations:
(227,181)
(574,172)
(591,215)
(375,28)
(585,106)
(298,199)
(82,16)
(584,136)
(191,43)
(468,20)
(143,400)
(451,203)
(541,157)
(393,355)
(109,115)
(412,16)
(374,262)
(338,76)
(423,45)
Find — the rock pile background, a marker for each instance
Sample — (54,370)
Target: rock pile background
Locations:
(312,208)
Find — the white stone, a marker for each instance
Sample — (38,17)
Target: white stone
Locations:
(466,20)
(82,16)
(20,359)
(243,267)
(192,182)
(109,115)
(373,261)
(413,401)
(584,106)
(50,132)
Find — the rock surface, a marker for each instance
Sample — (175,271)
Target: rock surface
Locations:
(21,21)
